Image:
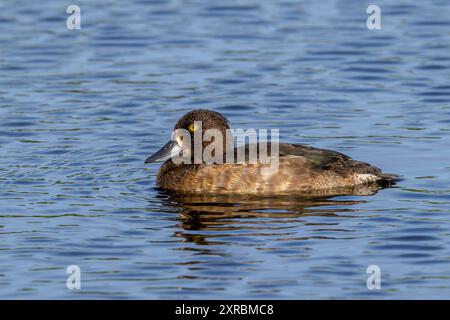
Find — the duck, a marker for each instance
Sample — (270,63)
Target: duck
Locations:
(301,169)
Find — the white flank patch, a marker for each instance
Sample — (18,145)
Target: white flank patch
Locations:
(365,178)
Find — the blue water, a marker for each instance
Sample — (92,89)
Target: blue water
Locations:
(80,111)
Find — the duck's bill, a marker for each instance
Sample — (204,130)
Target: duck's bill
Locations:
(170,149)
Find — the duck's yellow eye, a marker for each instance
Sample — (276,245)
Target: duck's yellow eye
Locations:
(192,127)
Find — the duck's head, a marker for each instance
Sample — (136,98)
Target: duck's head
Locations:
(192,127)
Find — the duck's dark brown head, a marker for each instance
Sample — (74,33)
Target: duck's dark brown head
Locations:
(195,124)
(209,120)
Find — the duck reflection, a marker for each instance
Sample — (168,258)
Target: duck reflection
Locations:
(208,219)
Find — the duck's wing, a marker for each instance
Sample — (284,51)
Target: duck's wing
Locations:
(324,159)
(317,158)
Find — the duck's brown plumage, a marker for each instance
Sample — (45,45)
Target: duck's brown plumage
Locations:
(302,170)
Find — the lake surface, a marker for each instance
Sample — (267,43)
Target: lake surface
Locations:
(80,111)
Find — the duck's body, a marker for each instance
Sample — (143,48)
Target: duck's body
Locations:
(302,170)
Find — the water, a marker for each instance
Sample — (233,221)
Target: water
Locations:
(81,109)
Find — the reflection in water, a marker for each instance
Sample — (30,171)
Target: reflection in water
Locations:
(205,217)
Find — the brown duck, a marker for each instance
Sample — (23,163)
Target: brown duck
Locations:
(302,170)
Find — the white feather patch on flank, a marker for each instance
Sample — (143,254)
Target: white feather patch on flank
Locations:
(362,178)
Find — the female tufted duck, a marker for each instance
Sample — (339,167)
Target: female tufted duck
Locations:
(301,169)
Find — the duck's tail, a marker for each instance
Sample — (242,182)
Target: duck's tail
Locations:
(388,179)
